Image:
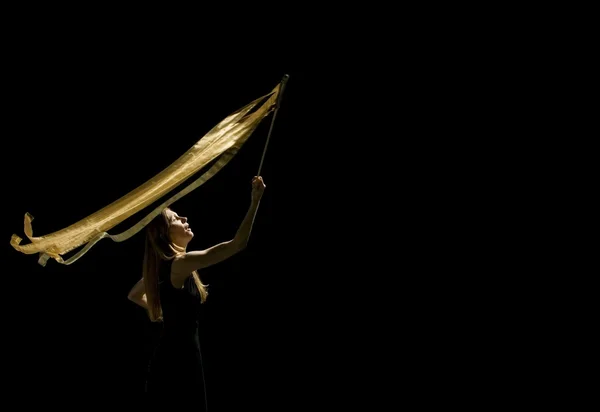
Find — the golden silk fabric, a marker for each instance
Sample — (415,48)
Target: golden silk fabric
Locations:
(221,143)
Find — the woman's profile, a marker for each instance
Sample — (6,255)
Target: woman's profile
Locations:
(172,292)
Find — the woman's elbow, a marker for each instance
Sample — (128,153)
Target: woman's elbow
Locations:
(135,296)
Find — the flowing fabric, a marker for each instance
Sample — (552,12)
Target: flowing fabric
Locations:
(221,143)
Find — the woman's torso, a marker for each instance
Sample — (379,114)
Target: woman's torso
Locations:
(177,361)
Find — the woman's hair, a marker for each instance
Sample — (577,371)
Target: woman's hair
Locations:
(158,248)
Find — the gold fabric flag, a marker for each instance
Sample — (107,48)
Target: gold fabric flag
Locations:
(221,143)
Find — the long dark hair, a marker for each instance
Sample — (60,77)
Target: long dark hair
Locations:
(158,248)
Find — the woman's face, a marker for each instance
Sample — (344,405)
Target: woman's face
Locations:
(179,230)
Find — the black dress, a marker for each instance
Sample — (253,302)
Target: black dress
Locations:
(175,369)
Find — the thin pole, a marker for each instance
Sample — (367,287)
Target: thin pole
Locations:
(283,82)
(277,104)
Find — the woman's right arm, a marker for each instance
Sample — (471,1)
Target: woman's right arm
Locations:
(137,294)
(199,259)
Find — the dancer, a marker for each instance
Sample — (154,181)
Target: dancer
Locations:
(172,292)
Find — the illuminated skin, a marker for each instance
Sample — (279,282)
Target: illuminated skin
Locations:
(181,234)
(179,229)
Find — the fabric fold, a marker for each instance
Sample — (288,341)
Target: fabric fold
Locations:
(220,145)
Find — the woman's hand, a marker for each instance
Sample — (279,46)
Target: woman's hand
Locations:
(258,187)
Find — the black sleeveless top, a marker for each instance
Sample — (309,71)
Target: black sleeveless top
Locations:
(176,364)
(180,307)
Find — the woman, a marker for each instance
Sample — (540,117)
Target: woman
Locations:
(172,292)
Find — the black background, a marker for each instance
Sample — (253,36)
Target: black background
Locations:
(370,260)
(85,128)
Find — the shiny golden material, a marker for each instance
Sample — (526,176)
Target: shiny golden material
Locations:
(220,144)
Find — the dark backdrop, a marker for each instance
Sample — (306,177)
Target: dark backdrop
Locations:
(84,130)
(354,284)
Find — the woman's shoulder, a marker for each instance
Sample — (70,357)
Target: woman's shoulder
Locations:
(164,270)
(175,275)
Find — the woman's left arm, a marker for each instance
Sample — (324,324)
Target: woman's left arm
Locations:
(137,294)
